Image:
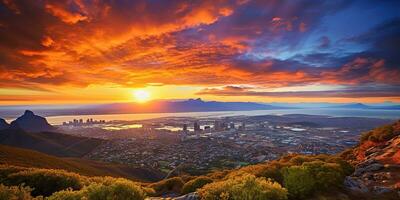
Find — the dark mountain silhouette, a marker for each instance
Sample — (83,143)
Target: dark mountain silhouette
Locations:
(49,142)
(157,106)
(352,106)
(3,124)
(31,123)
(29,158)
(191,105)
(363,106)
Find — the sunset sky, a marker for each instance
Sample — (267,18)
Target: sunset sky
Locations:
(94,51)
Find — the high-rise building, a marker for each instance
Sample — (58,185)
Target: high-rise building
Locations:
(243,126)
(217,125)
(232,125)
(196,126)
(184,127)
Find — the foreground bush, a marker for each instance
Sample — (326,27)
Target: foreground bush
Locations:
(119,189)
(44,181)
(302,175)
(382,133)
(15,193)
(6,170)
(245,187)
(174,185)
(299,181)
(193,185)
(302,181)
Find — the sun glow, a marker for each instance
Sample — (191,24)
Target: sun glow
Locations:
(141,95)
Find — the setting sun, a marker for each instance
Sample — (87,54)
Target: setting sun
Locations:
(141,95)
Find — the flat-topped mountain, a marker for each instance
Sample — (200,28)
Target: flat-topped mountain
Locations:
(31,123)
(352,106)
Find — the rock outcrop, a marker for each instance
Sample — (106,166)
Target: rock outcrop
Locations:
(190,196)
(377,164)
(31,123)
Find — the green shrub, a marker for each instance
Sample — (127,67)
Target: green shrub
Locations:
(67,194)
(174,184)
(16,193)
(45,182)
(273,172)
(326,175)
(119,189)
(299,181)
(300,159)
(245,187)
(217,175)
(194,184)
(6,170)
(346,167)
(382,133)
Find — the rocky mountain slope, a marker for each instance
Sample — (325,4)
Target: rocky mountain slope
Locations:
(377,161)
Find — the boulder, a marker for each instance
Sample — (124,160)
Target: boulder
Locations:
(355,184)
(382,189)
(369,168)
(190,196)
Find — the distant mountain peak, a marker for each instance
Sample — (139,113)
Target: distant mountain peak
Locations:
(28,113)
(3,124)
(31,123)
(196,100)
(353,105)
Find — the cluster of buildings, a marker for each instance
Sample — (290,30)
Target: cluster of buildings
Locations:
(221,144)
(218,125)
(81,122)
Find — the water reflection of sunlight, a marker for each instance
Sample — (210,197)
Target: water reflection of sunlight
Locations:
(170,128)
(116,127)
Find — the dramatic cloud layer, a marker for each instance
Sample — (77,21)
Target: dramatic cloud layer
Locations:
(49,44)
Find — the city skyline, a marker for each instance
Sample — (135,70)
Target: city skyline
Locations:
(83,52)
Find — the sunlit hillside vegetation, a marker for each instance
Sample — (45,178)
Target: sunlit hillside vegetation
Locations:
(293,177)
(59,184)
(29,158)
(382,133)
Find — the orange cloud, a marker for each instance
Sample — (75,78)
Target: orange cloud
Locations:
(65,15)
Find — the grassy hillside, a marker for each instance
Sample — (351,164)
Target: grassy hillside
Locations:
(50,143)
(28,158)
